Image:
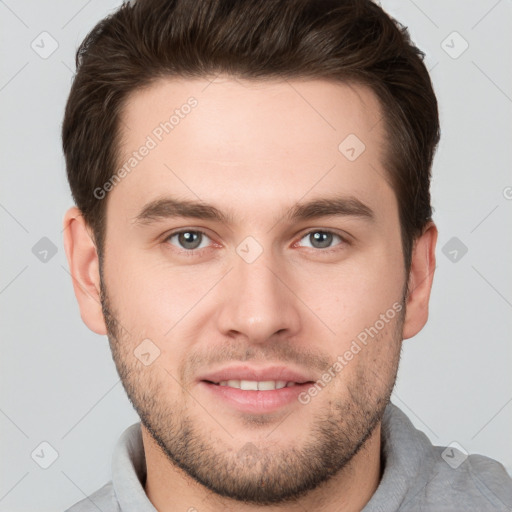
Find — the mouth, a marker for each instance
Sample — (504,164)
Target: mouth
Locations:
(254,385)
(255,390)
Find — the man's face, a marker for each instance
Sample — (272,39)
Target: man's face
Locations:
(267,297)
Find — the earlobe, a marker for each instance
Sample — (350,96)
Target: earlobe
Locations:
(421,275)
(83,264)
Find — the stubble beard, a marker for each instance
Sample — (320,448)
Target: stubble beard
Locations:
(265,474)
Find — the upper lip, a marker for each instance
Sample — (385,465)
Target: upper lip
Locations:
(246,372)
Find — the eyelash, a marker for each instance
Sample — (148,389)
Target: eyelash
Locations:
(197,252)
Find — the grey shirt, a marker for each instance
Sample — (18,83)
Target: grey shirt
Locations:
(418,476)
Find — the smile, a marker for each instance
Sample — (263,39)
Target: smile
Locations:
(253,385)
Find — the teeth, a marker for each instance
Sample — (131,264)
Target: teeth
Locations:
(253,385)
(249,385)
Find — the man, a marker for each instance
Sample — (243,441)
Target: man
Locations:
(253,232)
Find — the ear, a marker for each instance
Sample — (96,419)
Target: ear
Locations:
(421,275)
(84,267)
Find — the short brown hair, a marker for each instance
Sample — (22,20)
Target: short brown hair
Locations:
(343,40)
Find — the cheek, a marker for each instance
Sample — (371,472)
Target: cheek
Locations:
(155,300)
(357,292)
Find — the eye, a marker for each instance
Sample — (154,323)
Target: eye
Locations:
(321,239)
(191,241)
(188,239)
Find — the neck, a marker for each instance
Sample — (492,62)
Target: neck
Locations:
(169,488)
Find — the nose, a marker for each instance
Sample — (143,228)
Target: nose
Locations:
(258,301)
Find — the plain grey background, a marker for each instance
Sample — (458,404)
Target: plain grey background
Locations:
(58,381)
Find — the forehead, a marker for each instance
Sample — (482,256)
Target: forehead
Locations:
(296,110)
(242,141)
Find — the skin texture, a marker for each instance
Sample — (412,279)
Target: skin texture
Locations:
(254,150)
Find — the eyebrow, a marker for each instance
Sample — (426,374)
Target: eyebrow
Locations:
(170,207)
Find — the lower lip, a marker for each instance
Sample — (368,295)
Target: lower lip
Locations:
(257,402)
